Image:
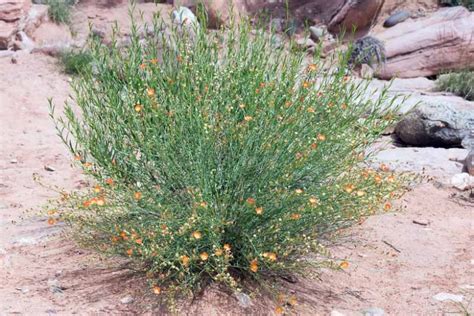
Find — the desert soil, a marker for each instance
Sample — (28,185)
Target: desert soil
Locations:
(398,261)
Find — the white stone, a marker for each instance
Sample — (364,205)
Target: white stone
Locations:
(462,181)
(127,300)
(448,297)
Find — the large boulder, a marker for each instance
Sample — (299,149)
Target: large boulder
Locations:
(7,31)
(357,16)
(437,125)
(338,14)
(13,10)
(430,45)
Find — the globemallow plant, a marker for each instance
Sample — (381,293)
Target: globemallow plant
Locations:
(219,158)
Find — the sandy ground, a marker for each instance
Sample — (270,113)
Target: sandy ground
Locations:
(395,264)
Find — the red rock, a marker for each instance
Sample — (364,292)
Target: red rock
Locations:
(429,46)
(13,10)
(7,31)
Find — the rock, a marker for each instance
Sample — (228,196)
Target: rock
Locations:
(243,299)
(448,297)
(127,300)
(438,162)
(7,32)
(336,313)
(429,46)
(462,181)
(305,43)
(438,125)
(356,15)
(14,161)
(469,162)
(13,10)
(366,71)
(37,15)
(183,16)
(24,42)
(396,18)
(52,34)
(317,33)
(49,168)
(373,311)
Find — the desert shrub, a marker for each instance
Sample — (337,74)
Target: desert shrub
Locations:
(461,84)
(60,10)
(74,62)
(217,157)
(466,3)
(367,50)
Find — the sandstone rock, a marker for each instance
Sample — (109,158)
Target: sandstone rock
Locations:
(317,33)
(356,15)
(366,71)
(7,31)
(52,34)
(438,125)
(429,46)
(462,181)
(37,15)
(13,10)
(396,18)
(437,162)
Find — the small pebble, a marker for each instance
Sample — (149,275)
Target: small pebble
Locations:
(127,300)
(448,297)
(373,311)
(49,168)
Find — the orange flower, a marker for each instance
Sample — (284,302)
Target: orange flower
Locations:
(139,241)
(360,193)
(391,178)
(197,235)
(138,107)
(142,66)
(179,59)
(100,201)
(312,67)
(114,239)
(51,221)
(204,256)
(313,201)
(137,195)
(203,204)
(184,260)
(259,210)
(311,110)
(130,252)
(77,157)
(218,252)
(293,301)
(270,256)
(299,191)
(86,203)
(314,146)
(52,212)
(242,106)
(248,118)
(154,61)
(114,162)
(257,91)
(343,106)
(251,201)
(387,206)
(378,179)
(306,84)
(344,265)
(288,104)
(87,164)
(279,310)
(254,265)
(346,78)
(349,188)
(109,181)
(157,290)
(262,84)
(227,247)
(124,235)
(295,216)
(321,137)
(150,92)
(384,167)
